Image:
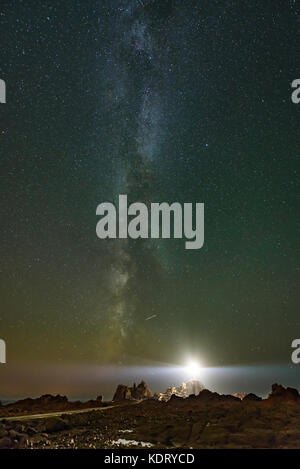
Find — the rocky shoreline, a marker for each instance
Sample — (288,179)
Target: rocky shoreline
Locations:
(206,420)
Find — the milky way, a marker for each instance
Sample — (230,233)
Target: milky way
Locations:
(137,55)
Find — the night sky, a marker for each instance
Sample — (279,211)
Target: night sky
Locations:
(164,101)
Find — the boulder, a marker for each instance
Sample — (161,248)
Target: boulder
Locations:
(55,424)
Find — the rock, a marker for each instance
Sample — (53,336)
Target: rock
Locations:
(279,393)
(175,398)
(252,398)
(46,402)
(209,396)
(141,391)
(3,431)
(292,394)
(15,435)
(99,398)
(277,390)
(206,395)
(228,398)
(48,398)
(6,443)
(55,424)
(31,431)
(20,428)
(124,392)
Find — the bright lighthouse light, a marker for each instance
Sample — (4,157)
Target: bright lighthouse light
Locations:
(193,368)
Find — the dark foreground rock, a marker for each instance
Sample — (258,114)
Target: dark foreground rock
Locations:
(279,393)
(206,420)
(252,398)
(10,438)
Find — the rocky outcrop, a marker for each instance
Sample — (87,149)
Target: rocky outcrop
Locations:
(204,398)
(124,392)
(46,403)
(207,396)
(281,394)
(141,391)
(252,398)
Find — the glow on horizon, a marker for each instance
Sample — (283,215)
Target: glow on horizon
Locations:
(193,368)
